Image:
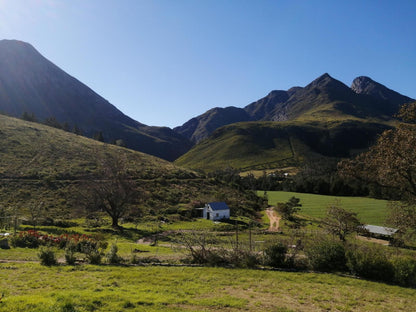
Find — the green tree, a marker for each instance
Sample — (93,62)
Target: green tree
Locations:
(391,163)
(29,117)
(52,122)
(340,222)
(288,209)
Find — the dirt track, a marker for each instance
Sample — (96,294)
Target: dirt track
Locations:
(274,220)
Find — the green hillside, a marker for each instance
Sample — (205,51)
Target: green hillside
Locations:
(40,165)
(266,145)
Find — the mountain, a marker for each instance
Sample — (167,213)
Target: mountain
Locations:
(32,84)
(201,127)
(367,86)
(42,165)
(325,98)
(269,145)
(325,119)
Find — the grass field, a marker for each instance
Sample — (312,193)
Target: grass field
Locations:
(32,287)
(370,211)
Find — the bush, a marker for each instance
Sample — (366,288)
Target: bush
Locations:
(240,258)
(27,239)
(93,255)
(326,255)
(70,252)
(404,271)
(112,256)
(275,255)
(369,262)
(47,257)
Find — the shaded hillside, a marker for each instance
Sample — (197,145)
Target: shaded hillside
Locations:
(30,83)
(201,127)
(44,165)
(262,145)
(367,86)
(324,99)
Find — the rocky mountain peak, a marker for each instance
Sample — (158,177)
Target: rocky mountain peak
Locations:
(362,83)
(367,86)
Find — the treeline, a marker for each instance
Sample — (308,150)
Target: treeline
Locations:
(53,122)
(317,177)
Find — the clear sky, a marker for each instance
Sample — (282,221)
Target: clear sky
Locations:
(163,62)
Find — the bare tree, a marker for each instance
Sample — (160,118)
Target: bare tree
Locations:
(113,191)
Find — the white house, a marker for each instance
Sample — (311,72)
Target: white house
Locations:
(216,211)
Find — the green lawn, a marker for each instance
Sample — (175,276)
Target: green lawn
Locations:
(370,211)
(32,287)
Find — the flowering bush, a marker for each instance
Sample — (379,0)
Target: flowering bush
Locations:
(34,239)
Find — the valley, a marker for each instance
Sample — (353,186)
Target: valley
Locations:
(99,212)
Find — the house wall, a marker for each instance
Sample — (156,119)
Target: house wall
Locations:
(213,215)
(220,214)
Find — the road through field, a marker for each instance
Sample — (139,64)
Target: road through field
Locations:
(274,220)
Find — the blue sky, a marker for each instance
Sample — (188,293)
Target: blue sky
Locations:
(163,62)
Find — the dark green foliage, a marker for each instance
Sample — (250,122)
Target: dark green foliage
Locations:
(112,256)
(70,250)
(24,239)
(370,262)
(47,257)
(275,255)
(94,255)
(288,209)
(340,222)
(98,136)
(52,122)
(326,255)
(404,271)
(29,117)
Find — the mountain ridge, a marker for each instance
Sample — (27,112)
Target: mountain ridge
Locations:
(323,98)
(31,83)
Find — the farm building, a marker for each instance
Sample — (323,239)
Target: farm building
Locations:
(216,211)
(379,231)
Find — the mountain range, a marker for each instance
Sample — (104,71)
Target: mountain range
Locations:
(326,118)
(324,98)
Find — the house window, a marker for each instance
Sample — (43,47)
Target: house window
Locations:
(217,215)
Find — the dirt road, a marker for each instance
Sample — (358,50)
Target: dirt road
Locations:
(274,220)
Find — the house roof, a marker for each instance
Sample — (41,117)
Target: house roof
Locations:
(381,230)
(218,206)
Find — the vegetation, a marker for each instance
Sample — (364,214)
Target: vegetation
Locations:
(53,166)
(369,210)
(341,222)
(390,163)
(288,209)
(267,145)
(31,287)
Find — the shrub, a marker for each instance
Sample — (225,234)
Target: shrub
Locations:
(369,262)
(275,255)
(29,239)
(240,258)
(112,256)
(404,271)
(326,255)
(47,257)
(70,252)
(93,255)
